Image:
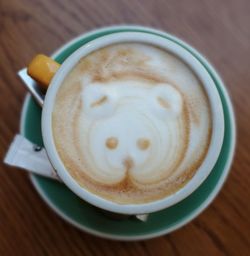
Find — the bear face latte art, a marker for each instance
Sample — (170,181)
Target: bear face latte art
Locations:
(131,123)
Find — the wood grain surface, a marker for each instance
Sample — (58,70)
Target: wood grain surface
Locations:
(218,29)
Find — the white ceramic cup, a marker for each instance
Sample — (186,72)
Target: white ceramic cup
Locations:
(217,122)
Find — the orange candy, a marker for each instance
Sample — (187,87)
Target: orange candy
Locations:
(42,69)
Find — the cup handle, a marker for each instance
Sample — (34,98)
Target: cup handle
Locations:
(42,69)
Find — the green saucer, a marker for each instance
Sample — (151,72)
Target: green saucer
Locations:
(88,218)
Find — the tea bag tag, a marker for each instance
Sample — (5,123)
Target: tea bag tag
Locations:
(25,155)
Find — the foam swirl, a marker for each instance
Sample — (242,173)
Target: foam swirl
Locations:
(131,123)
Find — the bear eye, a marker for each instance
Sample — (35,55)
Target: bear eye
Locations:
(143,143)
(111,143)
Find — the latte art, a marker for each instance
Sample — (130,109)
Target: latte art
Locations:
(131,123)
(131,134)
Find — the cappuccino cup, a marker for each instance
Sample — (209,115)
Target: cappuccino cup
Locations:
(131,122)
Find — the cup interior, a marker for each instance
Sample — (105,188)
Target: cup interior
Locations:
(216,109)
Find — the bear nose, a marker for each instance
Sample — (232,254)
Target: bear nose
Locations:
(128,162)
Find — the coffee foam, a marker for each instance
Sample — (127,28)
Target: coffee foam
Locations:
(131,123)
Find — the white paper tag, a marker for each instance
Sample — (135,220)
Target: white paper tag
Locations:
(142,217)
(24,154)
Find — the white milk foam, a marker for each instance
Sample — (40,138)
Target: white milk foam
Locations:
(132,123)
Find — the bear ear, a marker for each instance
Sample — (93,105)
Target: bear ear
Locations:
(97,102)
(167,101)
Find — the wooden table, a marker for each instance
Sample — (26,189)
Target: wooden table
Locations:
(218,29)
